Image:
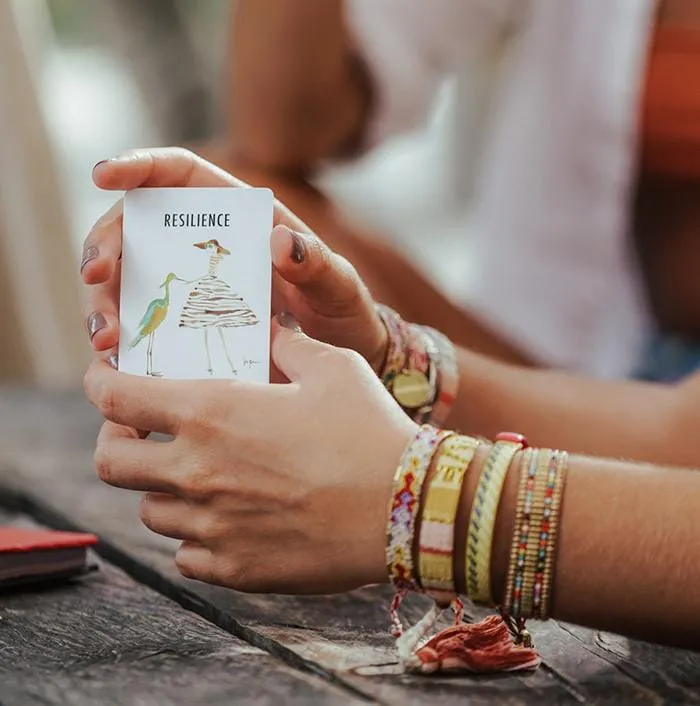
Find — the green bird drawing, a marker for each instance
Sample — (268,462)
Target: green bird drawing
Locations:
(155,314)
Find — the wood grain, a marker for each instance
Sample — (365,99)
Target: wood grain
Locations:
(105,639)
(46,469)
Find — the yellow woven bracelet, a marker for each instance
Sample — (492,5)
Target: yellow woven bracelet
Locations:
(436,546)
(482,519)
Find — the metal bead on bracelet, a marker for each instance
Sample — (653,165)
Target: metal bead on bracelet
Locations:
(420,369)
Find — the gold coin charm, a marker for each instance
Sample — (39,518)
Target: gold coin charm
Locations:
(412,389)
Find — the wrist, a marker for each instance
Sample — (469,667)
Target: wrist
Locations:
(419,368)
(379,498)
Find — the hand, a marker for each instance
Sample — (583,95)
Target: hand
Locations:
(276,488)
(320,288)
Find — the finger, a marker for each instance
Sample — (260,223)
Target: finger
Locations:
(137,402)
(166,166)
(167,515)
(102,313)
(103,247)
(174,167)
(135,464)
(195,561)
(126,432)
(114,432)
(295,354)
(327,280)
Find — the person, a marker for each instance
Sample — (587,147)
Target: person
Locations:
(593,239)
(314,520)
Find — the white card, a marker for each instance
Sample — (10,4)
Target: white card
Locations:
(196,283)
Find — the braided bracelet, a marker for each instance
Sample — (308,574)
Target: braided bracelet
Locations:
(482,519)
(437,533)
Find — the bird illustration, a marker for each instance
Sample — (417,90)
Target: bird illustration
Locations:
(155,314)
(212,303)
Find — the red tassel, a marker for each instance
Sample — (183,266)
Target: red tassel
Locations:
(477,648)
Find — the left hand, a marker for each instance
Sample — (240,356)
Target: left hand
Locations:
(320,288)
(277,488)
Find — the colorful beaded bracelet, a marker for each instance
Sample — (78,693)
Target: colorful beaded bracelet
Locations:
(549,529)
(534,544)
(526,487)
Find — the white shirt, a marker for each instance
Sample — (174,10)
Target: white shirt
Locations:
(553,271)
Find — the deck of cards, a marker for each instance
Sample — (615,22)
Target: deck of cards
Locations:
(196,283)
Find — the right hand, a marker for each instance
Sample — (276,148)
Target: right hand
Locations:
(318,287)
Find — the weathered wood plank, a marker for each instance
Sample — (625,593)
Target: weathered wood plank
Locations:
(671,672)
(105,639)
(344,635)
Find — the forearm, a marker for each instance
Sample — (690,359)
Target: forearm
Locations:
(646,422)
(296,90)
(626,560)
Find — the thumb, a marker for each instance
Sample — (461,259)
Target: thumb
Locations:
(295,354)
(319,274)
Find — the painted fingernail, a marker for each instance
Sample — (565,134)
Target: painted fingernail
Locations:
(89,254)
(113,360)
(288,321)
(95,322)
(298,247)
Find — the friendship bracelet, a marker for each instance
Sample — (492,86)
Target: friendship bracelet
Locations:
(437,533)
(530,577)
(522,527)
(549,529)
(403,508)
(482,519)
(534,544)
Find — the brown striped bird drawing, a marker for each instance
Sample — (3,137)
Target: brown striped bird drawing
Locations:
(212,303)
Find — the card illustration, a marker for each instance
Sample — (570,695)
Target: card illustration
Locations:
(219,280)
(155,314)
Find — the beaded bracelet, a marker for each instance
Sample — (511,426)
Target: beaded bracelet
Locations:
(549,530)
(437,533)
(534,544)
(482,519)
(521,532)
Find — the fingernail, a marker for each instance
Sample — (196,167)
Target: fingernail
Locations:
(288,321)
(298,247)
(113,360)
(102,161)
(89,254)
(95,322)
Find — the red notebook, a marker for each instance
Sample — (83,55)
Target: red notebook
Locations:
(30,556)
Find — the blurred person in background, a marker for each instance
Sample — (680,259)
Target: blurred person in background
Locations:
(586,208)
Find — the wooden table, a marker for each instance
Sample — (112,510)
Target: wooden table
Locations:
(138,633)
